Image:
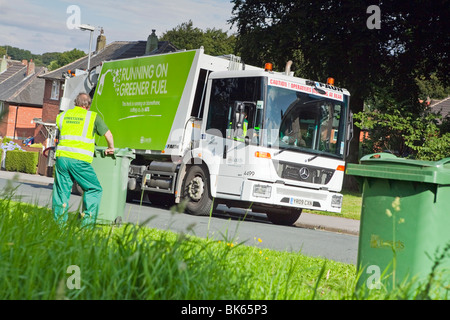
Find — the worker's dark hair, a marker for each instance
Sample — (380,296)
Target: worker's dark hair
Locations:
(83,100)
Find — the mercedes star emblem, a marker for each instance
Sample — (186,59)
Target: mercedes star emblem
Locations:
(304,173)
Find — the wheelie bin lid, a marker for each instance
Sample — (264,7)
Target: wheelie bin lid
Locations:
(388,166)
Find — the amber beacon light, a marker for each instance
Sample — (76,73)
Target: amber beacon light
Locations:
(330,81)
(268,67)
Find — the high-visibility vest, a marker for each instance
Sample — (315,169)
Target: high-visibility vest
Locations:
(76,137)
(240,137)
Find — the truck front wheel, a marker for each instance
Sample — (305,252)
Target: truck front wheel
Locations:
(196,192)
(285,217)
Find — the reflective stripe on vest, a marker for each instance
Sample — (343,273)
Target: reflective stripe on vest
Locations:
(76,134)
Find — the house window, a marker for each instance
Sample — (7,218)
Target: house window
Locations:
(55,90)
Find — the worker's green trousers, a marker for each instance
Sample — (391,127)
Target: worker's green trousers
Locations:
(67,171)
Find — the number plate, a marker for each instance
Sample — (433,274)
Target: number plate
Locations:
(301,202)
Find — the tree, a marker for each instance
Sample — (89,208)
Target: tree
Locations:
(69,56)
(431,87)
(214,41)
(405,134)
(52,60)
(48,57)
(392,126)
(18,54)
(66,58)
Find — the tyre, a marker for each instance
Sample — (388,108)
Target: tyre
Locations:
(285,216)
(196,192)
(118,221)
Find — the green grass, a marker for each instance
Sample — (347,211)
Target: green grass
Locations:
(134,262)
(351,207)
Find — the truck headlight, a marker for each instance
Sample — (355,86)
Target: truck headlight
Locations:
(336,201)
(262,191)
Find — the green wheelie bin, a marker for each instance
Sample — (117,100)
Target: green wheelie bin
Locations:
(405,223)
(112,173)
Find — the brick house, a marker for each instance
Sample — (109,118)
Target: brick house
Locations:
(21,93)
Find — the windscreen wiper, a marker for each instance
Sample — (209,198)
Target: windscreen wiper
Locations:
(312,158)
(282,150)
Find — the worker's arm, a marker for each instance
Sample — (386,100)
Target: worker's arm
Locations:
(110,141)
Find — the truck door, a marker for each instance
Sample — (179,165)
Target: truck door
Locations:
(231,119)
(235,152)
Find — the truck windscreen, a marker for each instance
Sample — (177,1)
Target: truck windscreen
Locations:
(304,122)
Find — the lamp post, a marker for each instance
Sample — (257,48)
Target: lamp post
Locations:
(86,27)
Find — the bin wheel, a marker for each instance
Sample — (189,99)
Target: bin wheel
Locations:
(196,192)
(118,221)
(285,217)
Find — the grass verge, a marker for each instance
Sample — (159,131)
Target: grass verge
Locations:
(351,207)
(132,262)
(41,260)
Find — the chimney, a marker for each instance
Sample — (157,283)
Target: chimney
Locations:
(30,68)
(101,41)
(152,42)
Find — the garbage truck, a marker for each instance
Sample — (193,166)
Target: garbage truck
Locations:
(208,130)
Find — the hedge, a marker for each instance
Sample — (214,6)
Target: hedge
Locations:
(21,161)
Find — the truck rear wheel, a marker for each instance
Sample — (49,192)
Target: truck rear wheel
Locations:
(196,192)
(285,217)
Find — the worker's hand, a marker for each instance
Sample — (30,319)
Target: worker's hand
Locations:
(109,151)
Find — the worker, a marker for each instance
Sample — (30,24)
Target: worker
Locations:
(74,155)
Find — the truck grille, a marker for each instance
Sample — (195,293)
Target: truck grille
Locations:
(304,173)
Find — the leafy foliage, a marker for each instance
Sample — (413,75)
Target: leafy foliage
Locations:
(52,60)
(404,134)
(16,53)
(432,87)
(186,36)
(17,160)
(66,58)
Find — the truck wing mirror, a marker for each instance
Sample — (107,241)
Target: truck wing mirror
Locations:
(239,108)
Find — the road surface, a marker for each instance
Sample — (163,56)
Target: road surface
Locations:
(226,224)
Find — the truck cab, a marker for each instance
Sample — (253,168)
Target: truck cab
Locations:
(274,143)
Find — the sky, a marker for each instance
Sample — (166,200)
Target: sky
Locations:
(49,25)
